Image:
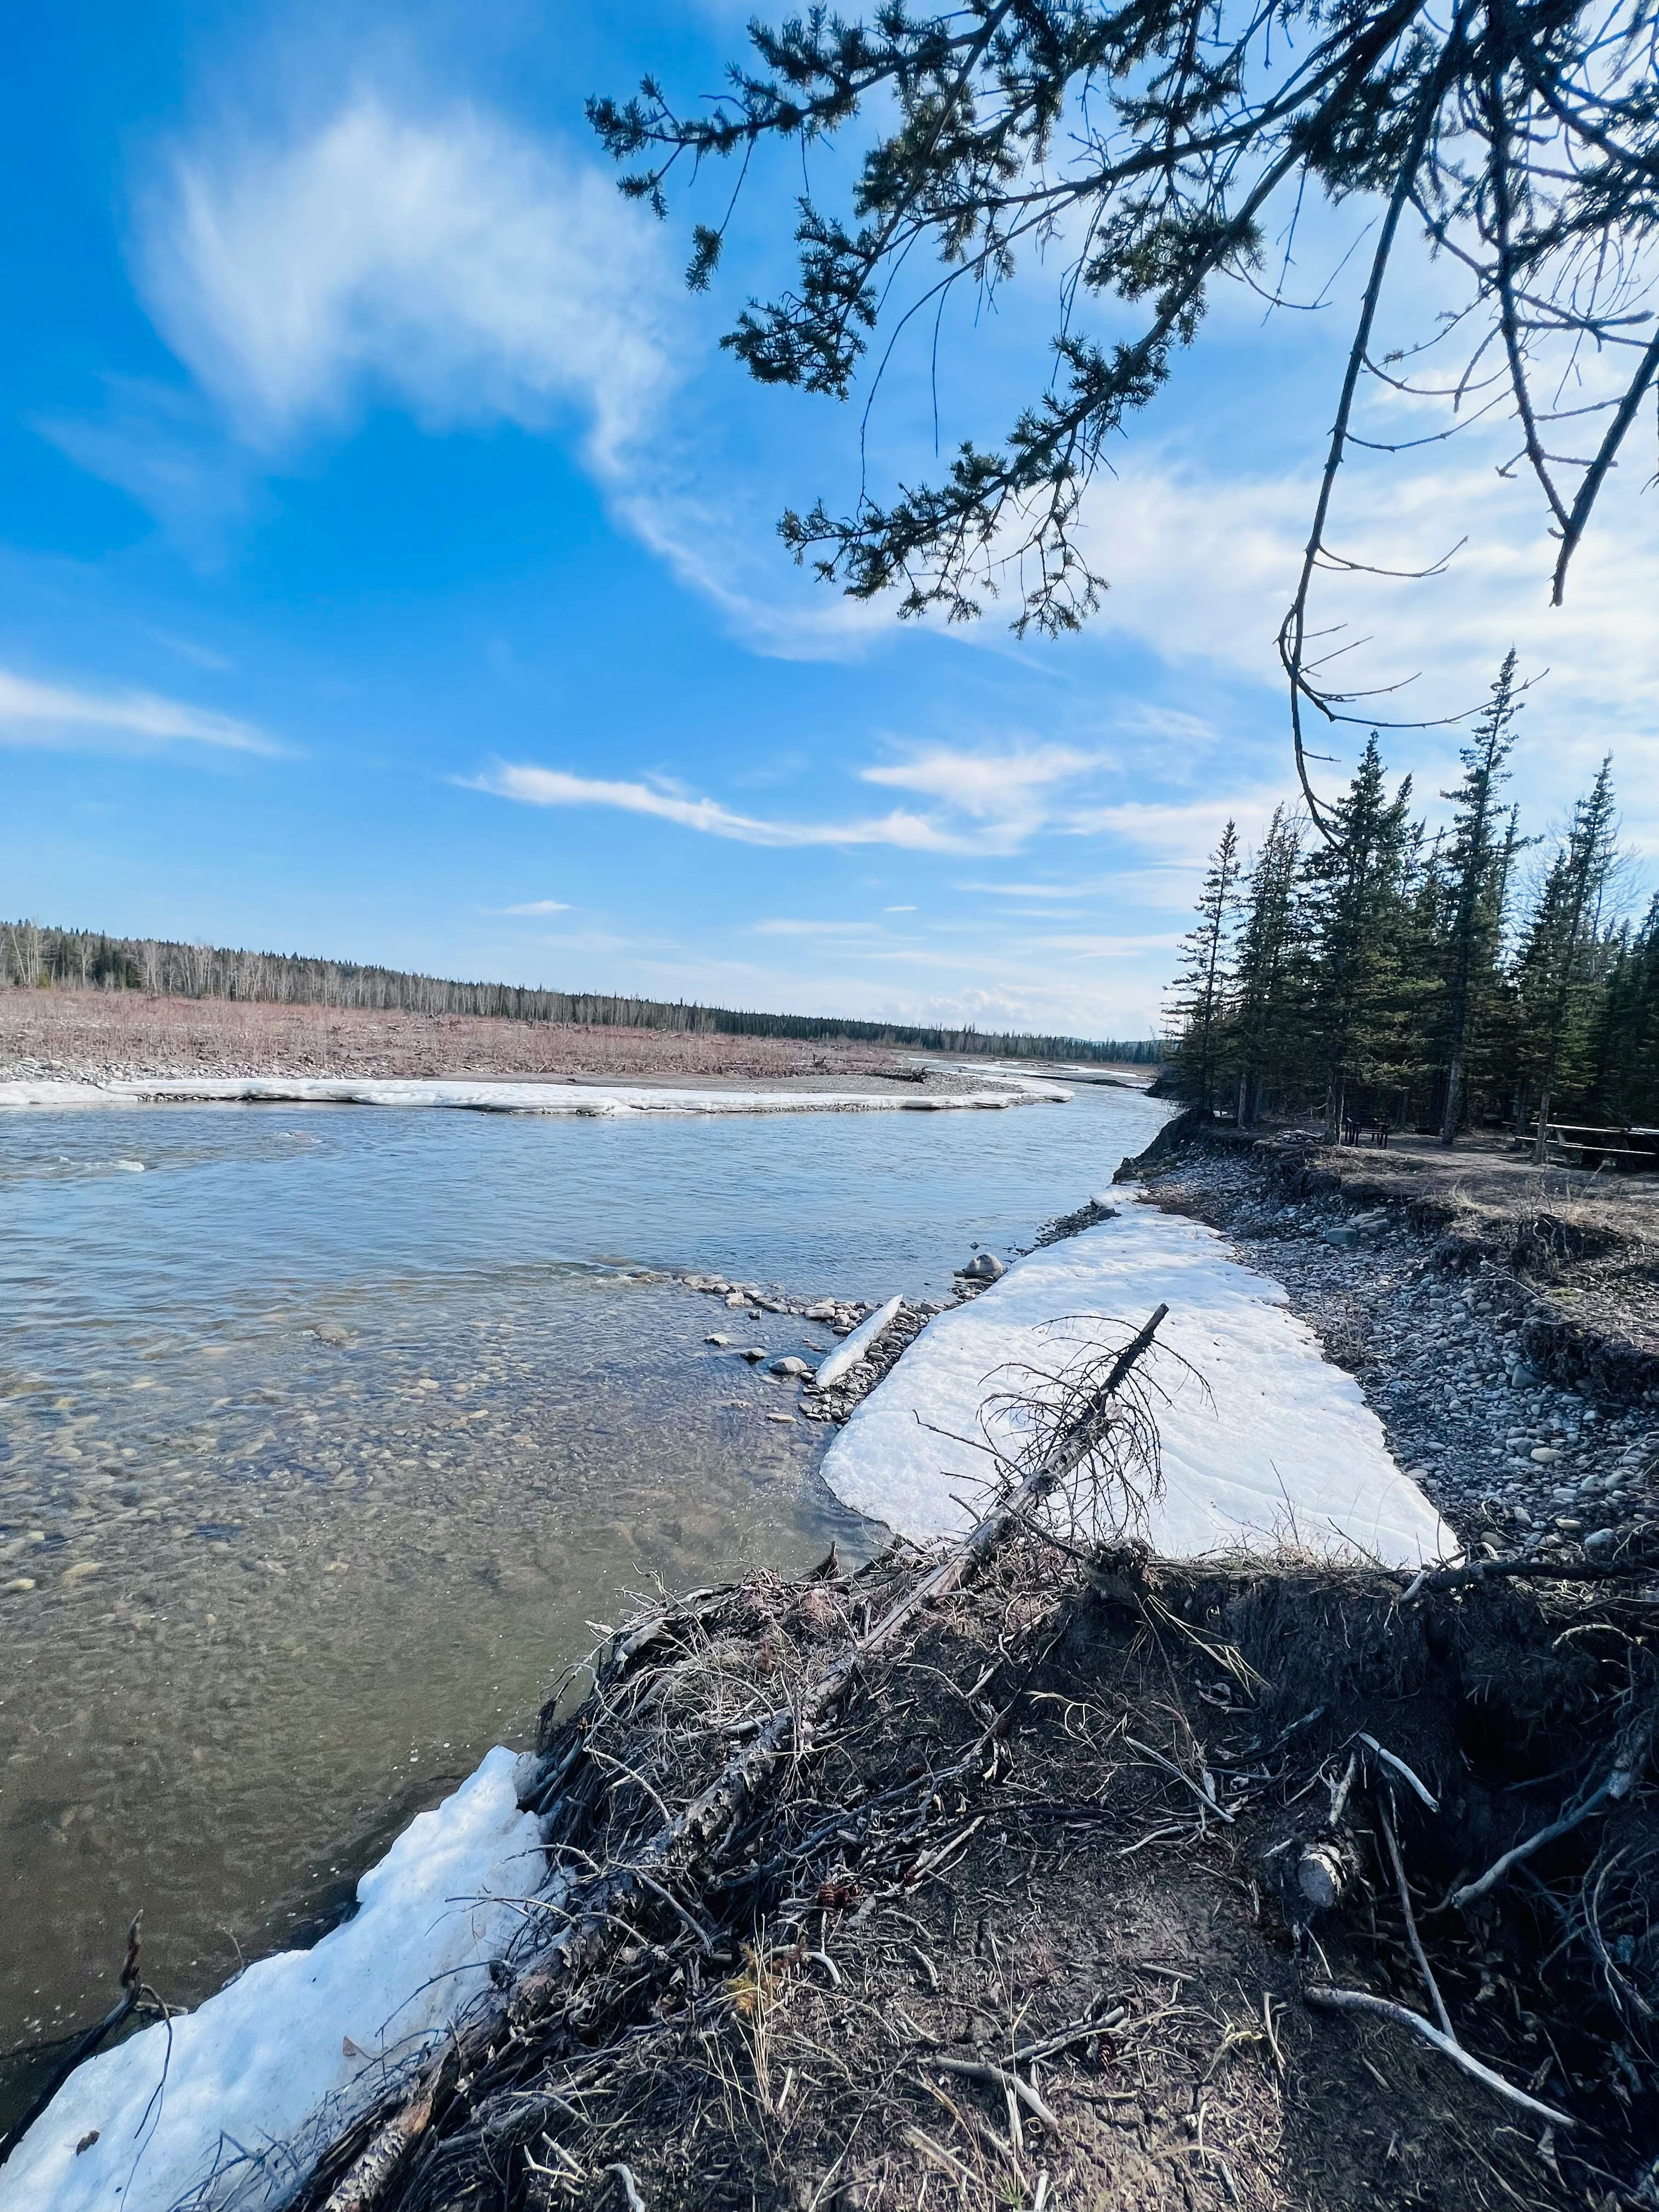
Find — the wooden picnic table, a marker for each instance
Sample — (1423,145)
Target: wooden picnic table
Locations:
(1632,1149)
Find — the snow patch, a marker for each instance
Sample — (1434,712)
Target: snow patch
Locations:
(851,1349)
(1287,1449)
(548,1098)
(230,2118)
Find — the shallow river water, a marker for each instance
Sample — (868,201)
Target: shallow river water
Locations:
(327,1434)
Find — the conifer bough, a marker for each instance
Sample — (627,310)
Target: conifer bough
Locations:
(1154,143)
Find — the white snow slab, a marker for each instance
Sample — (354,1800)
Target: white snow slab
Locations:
(588,1099)
(851,1349)
(1285,1450)
(250,2071)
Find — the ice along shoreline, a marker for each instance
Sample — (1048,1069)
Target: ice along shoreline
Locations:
(505,1096)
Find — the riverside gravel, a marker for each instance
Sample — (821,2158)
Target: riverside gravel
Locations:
(1514,1462)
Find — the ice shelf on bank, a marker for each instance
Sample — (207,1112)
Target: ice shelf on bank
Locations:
(1283,1451)
(511,1097)
(263,2071)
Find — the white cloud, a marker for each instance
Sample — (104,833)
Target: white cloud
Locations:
(545,786)
(530,906)
(33,713)
(1202,568)
(898,909)
(990,787)
(1105,948)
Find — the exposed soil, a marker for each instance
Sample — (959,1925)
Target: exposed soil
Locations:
(1055,1839)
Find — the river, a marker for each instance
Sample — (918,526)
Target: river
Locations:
(355,1423)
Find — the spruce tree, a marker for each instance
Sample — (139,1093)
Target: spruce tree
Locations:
(1627,1040)
(1200,988)
(1558,972)
(1358,915)
(1263,982)
(1475,868)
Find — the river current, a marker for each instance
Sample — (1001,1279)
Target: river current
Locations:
(330,1436)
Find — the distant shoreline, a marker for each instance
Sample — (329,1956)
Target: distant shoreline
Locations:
(92,1036)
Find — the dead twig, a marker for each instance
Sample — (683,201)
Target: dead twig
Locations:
(993,2077)
(1632,1756)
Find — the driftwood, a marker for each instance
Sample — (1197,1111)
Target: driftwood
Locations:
(598,1919)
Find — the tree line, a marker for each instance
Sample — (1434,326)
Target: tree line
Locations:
(35,955)
(1381,975)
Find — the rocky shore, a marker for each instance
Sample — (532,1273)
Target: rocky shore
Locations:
(1530,1428)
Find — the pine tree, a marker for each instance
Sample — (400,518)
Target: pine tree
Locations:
(1626,1039)
(1475,919)
(1199,992)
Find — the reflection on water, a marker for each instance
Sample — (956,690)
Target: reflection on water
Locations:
(324,1442)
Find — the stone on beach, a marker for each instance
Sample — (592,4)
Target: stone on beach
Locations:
(983,1267)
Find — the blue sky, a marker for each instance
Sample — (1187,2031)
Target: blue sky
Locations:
(388,569)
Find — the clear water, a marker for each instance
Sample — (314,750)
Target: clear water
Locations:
(361,1420)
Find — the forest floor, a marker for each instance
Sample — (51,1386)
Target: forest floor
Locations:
(91,1036)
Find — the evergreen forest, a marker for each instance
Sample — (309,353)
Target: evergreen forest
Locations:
(1484,977)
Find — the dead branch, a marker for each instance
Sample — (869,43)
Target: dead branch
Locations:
(1627,1768)
(1335,2000)
(975,2070)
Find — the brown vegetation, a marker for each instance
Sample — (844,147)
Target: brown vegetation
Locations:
(92,1034)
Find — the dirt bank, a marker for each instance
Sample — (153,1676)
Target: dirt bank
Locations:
(1024,1924)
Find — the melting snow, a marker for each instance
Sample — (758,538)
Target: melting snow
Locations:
(231,2118)
(1286,1449)
(851,1349)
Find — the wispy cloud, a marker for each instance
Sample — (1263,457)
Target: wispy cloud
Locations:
(442,260)
(786,927)
(546,787)
(54,714)
(473,270)
(530,906)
